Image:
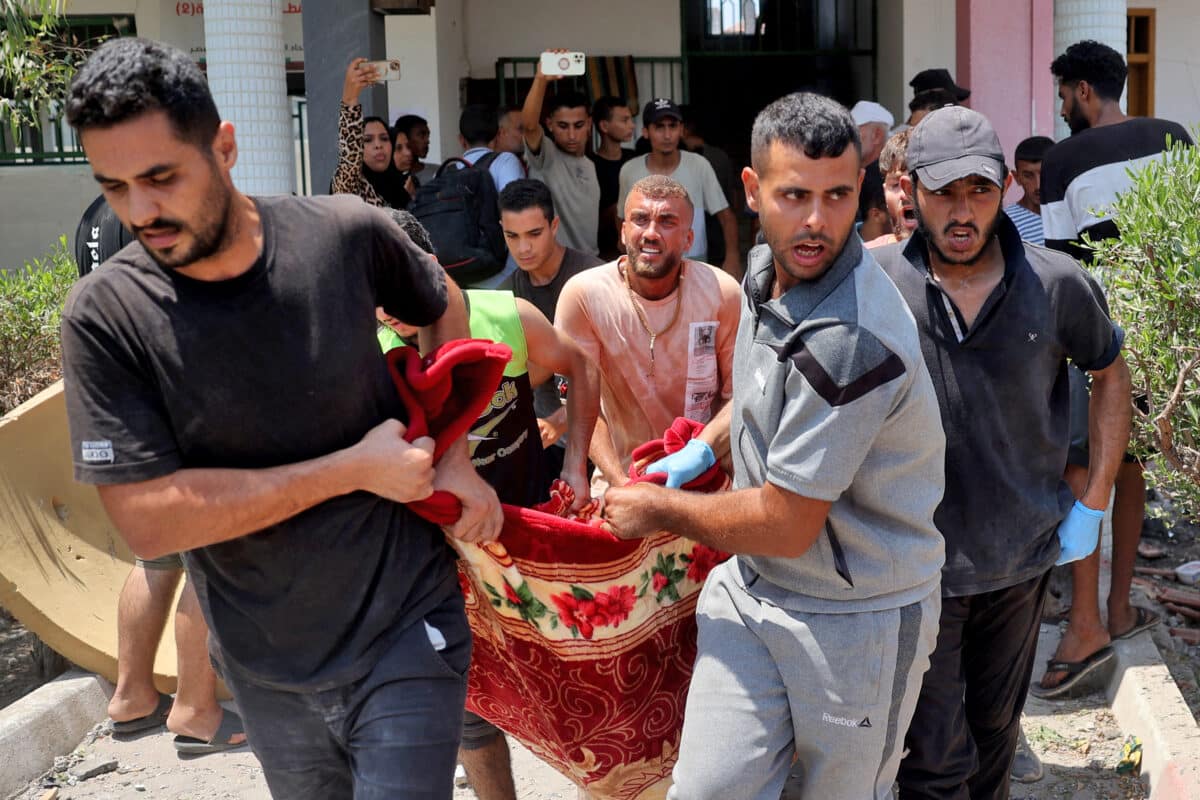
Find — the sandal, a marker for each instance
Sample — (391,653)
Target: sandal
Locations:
(1077,672)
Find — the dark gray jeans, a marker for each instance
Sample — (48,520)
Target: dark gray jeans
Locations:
(393,733)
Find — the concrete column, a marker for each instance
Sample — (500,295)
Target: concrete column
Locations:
(1075,20)
(335,33)
(1004,54)
(245,57)
(913,35)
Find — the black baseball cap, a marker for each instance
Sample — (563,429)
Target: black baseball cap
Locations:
(660,107)
(954,142)
(927,80)
(1033,149)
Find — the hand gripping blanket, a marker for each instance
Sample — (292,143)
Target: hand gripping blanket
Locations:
(583,643)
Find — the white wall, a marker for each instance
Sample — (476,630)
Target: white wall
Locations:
(524,28)
(39,204)
(913,35)
(1177,66)
(412,39)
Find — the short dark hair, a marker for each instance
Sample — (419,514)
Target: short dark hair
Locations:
(871,194)
(930,99)
(566,100)
(1102,67)
(478,124)
(127,77)
(603,108)
(1032,149)
(413,227)
(406,123)
(526,193)
(812,123)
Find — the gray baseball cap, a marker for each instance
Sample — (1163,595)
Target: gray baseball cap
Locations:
(954,142)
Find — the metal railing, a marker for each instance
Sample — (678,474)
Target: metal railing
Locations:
(53,143)
(657,76)
(56,143)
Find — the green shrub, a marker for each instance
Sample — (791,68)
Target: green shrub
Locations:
(31,302)
(1153,277)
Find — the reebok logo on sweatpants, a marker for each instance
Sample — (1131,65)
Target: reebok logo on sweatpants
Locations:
(845,722)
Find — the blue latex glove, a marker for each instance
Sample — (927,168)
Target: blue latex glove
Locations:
(1078,533)
(685,465)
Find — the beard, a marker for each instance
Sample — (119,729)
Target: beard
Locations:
(670,262)
(932,240)
(1076,120)
(207,233)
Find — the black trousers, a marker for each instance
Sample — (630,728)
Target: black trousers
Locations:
(965,730)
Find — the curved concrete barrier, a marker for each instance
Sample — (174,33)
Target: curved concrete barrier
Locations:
(62,562)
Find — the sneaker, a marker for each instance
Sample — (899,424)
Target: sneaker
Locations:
(1026,766)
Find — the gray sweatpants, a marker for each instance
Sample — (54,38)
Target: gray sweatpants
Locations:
(835,691)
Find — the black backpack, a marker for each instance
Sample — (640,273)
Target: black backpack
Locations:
(459,209)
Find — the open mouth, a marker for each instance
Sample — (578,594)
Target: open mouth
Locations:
(909,217)
(158,238)
(809,253)
(960,238)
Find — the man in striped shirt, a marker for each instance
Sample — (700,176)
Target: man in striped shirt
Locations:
(1026,213)
(1081,177)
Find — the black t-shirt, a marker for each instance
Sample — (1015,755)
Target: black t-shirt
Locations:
(608,174)
(1003,391)
(272,367)
(546,398)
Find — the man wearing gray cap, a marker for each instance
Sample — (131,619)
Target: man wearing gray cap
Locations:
(998,322)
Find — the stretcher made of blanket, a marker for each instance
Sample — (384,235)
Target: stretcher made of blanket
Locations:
(584,643)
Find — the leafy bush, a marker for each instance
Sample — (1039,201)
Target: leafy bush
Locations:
(1153,276)
(31,302)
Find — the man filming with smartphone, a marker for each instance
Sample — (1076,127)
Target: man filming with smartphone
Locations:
(563,164)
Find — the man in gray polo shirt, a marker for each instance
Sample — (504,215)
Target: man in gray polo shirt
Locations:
(813,638)
(998,321)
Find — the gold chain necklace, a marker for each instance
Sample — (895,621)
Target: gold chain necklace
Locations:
(641,312)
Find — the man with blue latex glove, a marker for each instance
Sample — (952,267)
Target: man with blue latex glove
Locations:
(685,465)
(999,322)
(1078,534)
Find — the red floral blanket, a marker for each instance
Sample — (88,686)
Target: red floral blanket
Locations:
(583,643)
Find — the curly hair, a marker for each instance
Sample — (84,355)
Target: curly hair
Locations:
(127,77)
(1102,67)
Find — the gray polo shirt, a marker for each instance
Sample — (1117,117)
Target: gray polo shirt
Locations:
(832,401)
(1003,390)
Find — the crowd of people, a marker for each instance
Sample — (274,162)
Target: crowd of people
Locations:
(895,323)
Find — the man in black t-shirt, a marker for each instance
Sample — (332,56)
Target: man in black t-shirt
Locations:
(226,394)
(1081,177)
(544,265)
(614,122)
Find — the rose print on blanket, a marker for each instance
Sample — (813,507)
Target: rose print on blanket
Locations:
(663,578)
(582,612)
(520,599)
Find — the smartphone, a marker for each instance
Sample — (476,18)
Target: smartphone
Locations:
(387,70)
(563,63)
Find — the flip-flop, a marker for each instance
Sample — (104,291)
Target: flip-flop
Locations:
(154,719)
(1077,672)
(231,725)
(1146,620)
